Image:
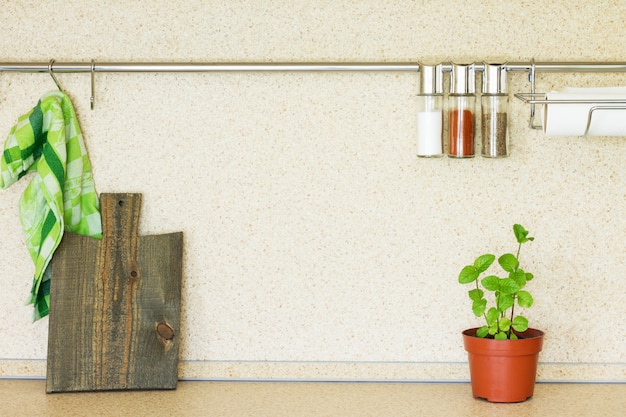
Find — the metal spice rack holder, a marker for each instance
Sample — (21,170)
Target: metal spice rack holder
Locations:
(532,68)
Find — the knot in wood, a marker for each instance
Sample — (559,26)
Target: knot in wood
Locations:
(165,331)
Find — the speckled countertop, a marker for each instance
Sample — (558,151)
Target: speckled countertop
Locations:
(28,397)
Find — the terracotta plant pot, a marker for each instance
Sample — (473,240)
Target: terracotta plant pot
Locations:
(503,371)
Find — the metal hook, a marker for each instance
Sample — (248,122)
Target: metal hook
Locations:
(531,78)
(52,74)
(92,99)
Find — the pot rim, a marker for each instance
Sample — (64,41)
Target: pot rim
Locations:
(530,333)
(530,342)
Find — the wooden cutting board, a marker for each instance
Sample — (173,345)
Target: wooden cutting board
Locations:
(115,306)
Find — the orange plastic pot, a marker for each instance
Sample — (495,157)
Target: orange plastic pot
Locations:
(503,371)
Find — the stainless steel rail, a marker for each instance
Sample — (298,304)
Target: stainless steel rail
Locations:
(76,67)
(92,67)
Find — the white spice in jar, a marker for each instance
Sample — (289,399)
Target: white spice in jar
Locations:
(429,133)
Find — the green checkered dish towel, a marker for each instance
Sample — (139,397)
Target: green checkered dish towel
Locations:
(61,196)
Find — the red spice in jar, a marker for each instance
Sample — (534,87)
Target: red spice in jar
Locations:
(461,133)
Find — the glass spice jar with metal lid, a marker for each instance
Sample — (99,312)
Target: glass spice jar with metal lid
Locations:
(461,107)
(430,112)
(494,112)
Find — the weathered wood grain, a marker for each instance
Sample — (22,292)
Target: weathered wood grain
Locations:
(115,306)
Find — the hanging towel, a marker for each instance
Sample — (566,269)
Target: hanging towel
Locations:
(61,196)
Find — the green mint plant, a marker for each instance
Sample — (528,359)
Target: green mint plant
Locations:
(501,321)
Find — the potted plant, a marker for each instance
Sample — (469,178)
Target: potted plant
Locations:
(502,353)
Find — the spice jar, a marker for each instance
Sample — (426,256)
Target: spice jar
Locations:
(461,105)
(430,112)
(494,105)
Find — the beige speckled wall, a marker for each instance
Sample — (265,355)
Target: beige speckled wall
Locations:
(317,246)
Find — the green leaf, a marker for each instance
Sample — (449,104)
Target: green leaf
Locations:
(509,286)
(519,276)
(493,329)
(514,336)
(508,262)
(501,336)
(529,276)
(482,332)
(520,324)
(476,294)
(505,324)
(491,283)
(479,306)
(521,234)
(483,262)
(505,301)
(524,299)
(492,316)
(468,274)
